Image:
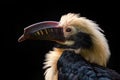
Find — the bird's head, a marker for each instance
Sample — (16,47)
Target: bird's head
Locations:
(74,33)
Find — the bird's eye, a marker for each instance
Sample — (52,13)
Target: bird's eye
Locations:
(68,30)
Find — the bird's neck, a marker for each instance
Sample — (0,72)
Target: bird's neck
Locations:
(70,48)
(92,55)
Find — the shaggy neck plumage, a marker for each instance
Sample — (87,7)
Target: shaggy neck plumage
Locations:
(52,57)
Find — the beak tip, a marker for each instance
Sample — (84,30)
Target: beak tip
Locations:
(22,38)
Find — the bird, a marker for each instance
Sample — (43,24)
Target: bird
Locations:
(81,50)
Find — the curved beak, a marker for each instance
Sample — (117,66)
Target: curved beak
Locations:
(46,30)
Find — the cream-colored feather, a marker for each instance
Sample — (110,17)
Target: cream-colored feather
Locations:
(51,64)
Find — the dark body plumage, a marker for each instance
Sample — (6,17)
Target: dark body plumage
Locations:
(73,67)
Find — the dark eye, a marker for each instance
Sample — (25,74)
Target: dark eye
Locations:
(68,30)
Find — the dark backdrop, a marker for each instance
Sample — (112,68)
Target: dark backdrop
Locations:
(25,60)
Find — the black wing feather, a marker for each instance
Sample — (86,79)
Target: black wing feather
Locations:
(72,66)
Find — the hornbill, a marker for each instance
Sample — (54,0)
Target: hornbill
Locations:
(81,51)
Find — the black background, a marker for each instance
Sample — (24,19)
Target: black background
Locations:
(25,60)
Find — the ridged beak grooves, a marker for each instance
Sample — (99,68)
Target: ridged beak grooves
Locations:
(46,30)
